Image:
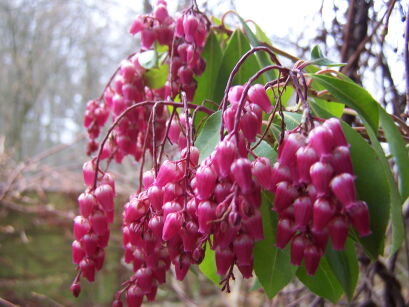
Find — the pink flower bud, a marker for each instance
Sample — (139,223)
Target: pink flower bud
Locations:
(235,93)
(118,104)
(168,172)
(359,216)
(321,140)
(144,279)
(190,24)
(297,249)
(78,252)
(152,293)
(99,259)
(261,169)
(320,238)
(134,296)
(131,93)
(193,156)
(173,223)
(90,244)
(88,172)
(138,259)
(257,94)
(127,70)
(171,207)
(87,267)
(229,118)
(285,231)
(87,203)
(323,212)
(155,195)
(105,196)
(156,225)
(250,125)
(159,272)
(253,225)
(338,231)
(135,209)
(343,187)
(205,182)
(246,270)
(107,178)
(224,260)
(341,160)
(334,125)
(285,194)
(200,35)
(137,26)
(302,212)
(189,235)
(182,51)
(182,264)
(306,157)
(161,13)
(241,171)
(147,38)
(185,75)
(279,173)
(99,222)
(75,289)
(243,249)
(312,259)
(288,148)
(206,213)
(321,175)
(225,235)
(172,191)
(148,178)
(226,152)
(179,31)
(222,190)
(81,227)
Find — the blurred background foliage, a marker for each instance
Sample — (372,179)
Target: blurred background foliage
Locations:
(56,55)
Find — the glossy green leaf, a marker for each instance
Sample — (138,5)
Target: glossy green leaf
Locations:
(209,135)
(206,84)
(265,150)
(261,36)
(335,108)
(398,150)
(156,77)
(236,47)
(319,59)
(148,59)
(271,265)
(324,283)
(344,264)
(262,57)
(208,266)
(353,96)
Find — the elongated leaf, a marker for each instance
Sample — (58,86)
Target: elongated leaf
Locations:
(345,267)
(148,59)
(208,266)
(262,57)
(206,84)
(209,135)
(336,109)
(318,58)
(271,265)
(398,150)
(324,283)
(236,47)
(353,96)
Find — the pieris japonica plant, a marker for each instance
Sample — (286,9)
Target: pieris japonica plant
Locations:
(266,180)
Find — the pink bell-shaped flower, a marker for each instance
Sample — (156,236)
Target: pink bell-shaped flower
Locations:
(288,148)
(298,245)
(279,173)
(81,227)
(359,216)
(323,211)
(226,152)
(312,258)
(257,94)
(134,296)
(87,267)
(334,125)
(241,172)
(206,213)
(341,160)
(322,140)
(302,212)
(343,187)
(285,194)
(173,223)
(235,93)
(306,157)
(243,248)
(285,231)
(99,222)
(205,182)
(321,175)
(105,196)
(78,252)
(338,231)
(87,203)
(224,260)
(261,169)
(144,279)
(182,264)
(190,24)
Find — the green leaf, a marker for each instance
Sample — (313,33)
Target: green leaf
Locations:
(263,59)
(148,59)
(156,77)
(206,84)
(318,58)
(353,96)
(398,150)
(271,265)
(335,108)
(237,45)
(345,267)
(209,135)
(324,283)
(260,35)
(266,150)
(208,266)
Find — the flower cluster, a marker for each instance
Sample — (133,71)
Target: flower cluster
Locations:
(91,227)
(315,195)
